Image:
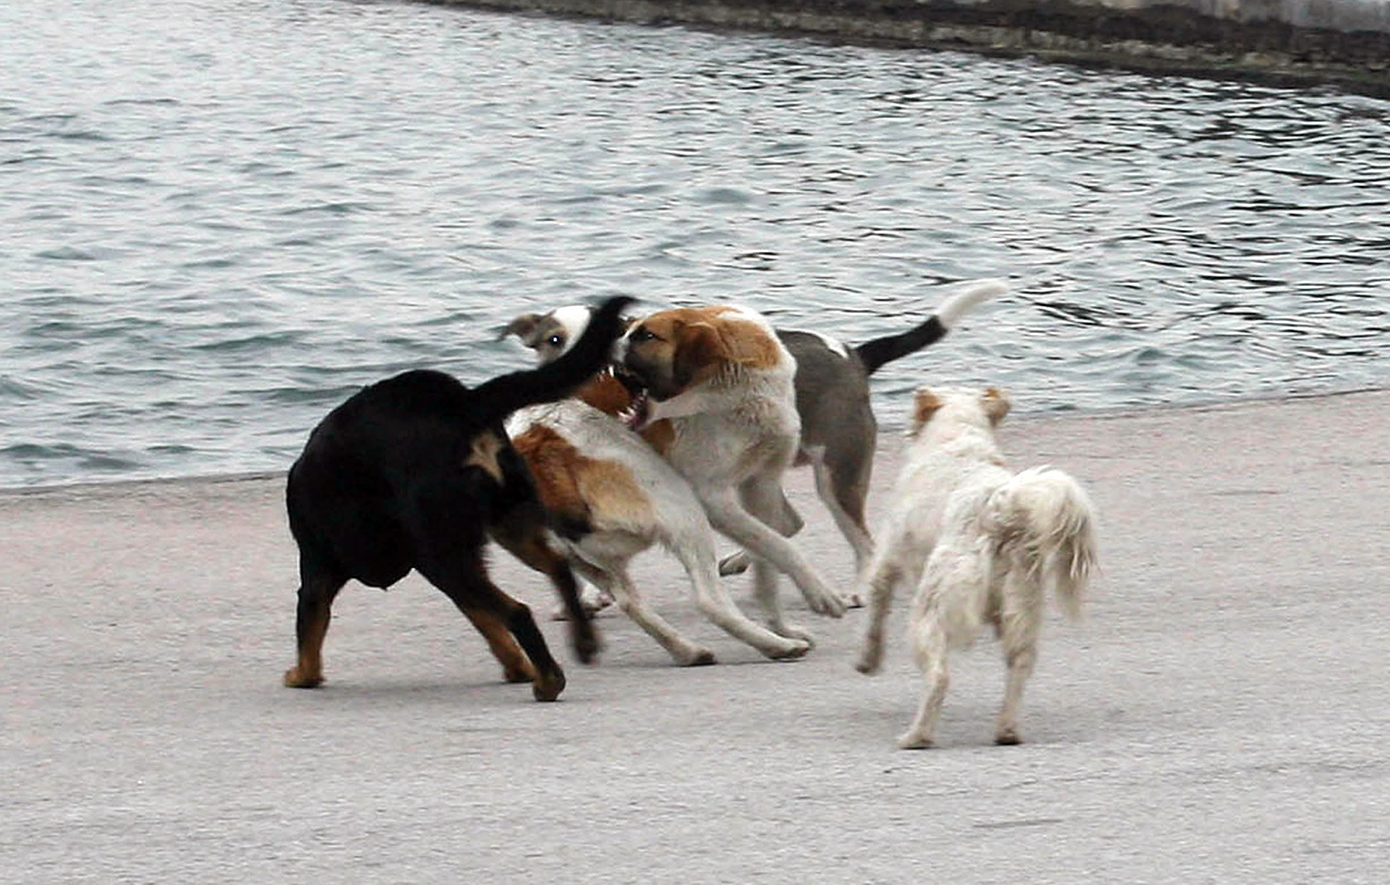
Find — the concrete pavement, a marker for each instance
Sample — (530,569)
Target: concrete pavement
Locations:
(1220,716)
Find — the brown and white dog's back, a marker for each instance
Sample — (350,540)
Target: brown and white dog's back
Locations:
(980,544)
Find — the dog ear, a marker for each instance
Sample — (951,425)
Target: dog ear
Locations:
(925,402)
(699,352)
(996,404)
(523,327)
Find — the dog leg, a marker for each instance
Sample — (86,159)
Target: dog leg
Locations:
(840,487)
(880,581)
(515,666)
(591,597)
(729,517)
(1018,632)
(737,563)
(931,657)
(522,535)
(461,574)
(716,604)
(614,579)
(316,593)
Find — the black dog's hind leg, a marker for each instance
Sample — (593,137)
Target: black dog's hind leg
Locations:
(521,533)
(516,667)
(449,554)
(473,592)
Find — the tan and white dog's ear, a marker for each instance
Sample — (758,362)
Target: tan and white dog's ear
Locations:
(699,352)
(925,402)
(523,327)
(996,403)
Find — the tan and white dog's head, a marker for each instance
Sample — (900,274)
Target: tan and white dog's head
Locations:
(674,350)
(970,407)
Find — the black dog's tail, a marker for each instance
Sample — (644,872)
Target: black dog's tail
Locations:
(874,354)
(496,399)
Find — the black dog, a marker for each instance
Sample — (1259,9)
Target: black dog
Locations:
(417,472)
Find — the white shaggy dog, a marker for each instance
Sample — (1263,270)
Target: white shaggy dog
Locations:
(980,543)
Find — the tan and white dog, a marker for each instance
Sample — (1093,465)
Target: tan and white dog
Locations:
(611,496)
(980,544)
(718,403)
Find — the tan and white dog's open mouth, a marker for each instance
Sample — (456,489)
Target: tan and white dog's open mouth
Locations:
(638,411)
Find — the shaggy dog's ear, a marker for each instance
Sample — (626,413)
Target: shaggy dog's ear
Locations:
(996,403)
(925,402)
(698,355)
(523,327)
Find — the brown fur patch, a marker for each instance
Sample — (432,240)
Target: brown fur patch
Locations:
(579,489)
(696,342)
(605,393)
(659,435)
(996,404)
(483,453)
(550,458)
(924,405)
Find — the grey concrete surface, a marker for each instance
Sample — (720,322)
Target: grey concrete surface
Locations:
(1220,716)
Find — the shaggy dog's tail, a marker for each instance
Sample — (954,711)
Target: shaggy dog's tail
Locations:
(494,400)
(1043,523)
(874,354)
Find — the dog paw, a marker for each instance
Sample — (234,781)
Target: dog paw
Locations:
(734,564)
(791,631)
(548,686)
(854,600)
(869,666)
(295,679)
(829,604)
(699,657)
(593,600)
(1007,738)
(792,650)
(585,642)
(914,741)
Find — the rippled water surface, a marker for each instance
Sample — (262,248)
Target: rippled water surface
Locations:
(220,218)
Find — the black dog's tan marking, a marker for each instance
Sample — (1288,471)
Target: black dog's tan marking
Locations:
(416,472)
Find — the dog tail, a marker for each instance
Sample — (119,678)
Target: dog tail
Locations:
(1044,523)
(874,354)
(494,400)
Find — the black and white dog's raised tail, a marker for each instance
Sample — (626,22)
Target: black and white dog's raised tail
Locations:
(874,354)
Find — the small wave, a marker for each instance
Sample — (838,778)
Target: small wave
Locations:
(340,208)
(67,253)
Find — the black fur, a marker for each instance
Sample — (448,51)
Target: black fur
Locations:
(385,484)
(874,354)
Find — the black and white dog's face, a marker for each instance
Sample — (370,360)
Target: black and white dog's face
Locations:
(550,334)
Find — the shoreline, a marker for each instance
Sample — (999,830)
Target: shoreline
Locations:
(887,434)
(1340,43)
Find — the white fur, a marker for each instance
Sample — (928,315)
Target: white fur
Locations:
(735,435)
(672,518)
(958,305)
(980,544)
(574,319)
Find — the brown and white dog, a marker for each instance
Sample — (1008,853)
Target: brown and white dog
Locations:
(839,434)
(611,496)
(980,544)
(717,401)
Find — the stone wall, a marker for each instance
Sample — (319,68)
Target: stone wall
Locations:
(1344,43)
